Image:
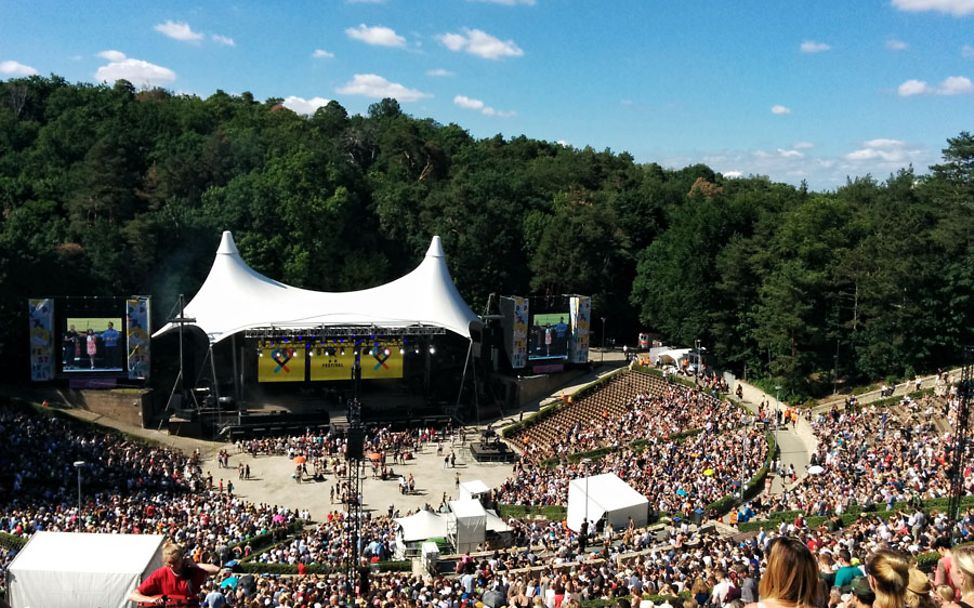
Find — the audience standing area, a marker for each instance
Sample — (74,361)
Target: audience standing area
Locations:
(605,495)
(74,570)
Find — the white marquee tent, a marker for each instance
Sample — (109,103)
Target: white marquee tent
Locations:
(605,495)
(466,524)
(473,489)
(73,570)
(421,525)
(235,297)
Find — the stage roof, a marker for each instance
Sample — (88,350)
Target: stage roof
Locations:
(236,298)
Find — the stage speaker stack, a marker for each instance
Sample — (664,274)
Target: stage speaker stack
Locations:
(356,443)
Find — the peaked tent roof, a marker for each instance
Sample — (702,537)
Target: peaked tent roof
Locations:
(235,297)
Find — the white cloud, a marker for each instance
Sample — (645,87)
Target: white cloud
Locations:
(322,54)
(885,153)
(803,145)
(780,109)
(510,2)
(16,68)
(884,143)
(377,36)
(733,174)
(913,87)
(967,51)
(811,46)
(136,71)
(112,55)
(470,103)
(957,8)
(373,85)
(439,73)
(790,153)
(894,44)
(225,40)
(301,105)
(952,85)
(481,44)
(465,102)
(956,85)
(178,30)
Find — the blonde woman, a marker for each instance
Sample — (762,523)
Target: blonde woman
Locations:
(918,591)
(889,574)
(791,577)
(963,561)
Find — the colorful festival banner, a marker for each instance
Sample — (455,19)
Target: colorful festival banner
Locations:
(331,362)
(138,314)
(41,313)
(519,337)
(281,363)
(581,313)
(381,360)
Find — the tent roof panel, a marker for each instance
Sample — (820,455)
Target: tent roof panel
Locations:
(87,553)
(235,297)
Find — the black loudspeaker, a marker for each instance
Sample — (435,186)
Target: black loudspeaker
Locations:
(356,443)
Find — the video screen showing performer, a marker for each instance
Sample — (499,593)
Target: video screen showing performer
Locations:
(548,336)
(92,344)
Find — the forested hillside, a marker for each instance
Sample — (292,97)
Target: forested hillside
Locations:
(109,190)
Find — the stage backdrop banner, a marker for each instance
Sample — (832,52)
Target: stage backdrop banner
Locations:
(331,362)
(581,313)
(281,363)
(381,360)
(519,345)
(138,314)
(41,313)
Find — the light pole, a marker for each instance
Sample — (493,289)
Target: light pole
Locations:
(696,372)
(79,464)
(602,360)
(586,461)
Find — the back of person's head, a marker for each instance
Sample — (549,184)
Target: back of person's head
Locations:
(792,573)
(889,574)
(844,556)
(946,593)
(170,551)
(918,590)
(620,603)
(963,558)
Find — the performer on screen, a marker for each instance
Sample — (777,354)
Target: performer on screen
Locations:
(91,343)
(179,579)
(72,347)
(109,338)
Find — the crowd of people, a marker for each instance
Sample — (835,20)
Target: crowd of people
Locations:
(693,450)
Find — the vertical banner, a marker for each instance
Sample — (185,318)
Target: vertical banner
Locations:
(331,362)
(581,313)
(381,360)
(138,316)
(41,313)
(281,363)
(519,337)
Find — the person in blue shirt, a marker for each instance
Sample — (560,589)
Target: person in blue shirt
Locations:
(110,338)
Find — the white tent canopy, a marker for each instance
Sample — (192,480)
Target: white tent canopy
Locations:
(235,297)
(466,524)
(606,494)
(71,570)
(473,489)
(422,525)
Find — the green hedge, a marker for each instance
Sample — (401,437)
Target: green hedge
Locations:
(259,568)
(12,541)
(550,512)
(261,542)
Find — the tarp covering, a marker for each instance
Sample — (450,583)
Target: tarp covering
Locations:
(71,570)
(235,297)
(607,495)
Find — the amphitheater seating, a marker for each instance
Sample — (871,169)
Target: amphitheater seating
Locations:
(611,400)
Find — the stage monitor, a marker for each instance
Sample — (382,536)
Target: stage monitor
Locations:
(92,344)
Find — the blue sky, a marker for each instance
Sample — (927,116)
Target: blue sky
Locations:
(815,90)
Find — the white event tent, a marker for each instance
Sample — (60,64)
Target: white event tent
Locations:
(235,297)
(605,495)
(73,570)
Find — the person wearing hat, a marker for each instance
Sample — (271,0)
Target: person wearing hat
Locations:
(918,590)
(862,594)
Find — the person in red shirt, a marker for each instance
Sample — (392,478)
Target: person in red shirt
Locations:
(179,579)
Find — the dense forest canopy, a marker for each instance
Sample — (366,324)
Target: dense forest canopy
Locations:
(110,190)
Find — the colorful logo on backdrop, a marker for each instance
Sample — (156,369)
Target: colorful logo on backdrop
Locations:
(281,363)
(332,361)
(382,360)
(41,314)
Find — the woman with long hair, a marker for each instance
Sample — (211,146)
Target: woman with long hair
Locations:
(790,579)
(963,561)
(889,575)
